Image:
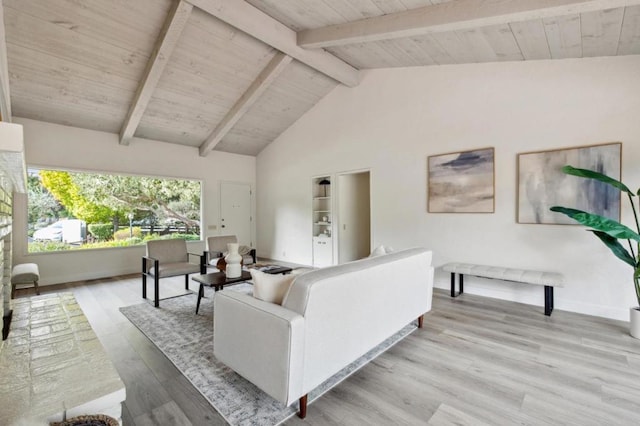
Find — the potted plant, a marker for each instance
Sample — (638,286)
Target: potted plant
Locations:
(610,232)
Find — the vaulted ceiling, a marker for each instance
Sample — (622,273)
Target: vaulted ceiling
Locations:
(231,75)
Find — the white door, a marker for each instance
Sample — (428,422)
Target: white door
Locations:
(235,211)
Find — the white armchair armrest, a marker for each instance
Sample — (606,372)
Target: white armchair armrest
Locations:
(263,342)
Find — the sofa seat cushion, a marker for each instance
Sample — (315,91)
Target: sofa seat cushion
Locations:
(270,287)
(174,269)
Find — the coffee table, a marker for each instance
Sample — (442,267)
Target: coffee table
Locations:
(217,280)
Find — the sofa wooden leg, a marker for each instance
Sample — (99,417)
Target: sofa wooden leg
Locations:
(420,321)
(303,407)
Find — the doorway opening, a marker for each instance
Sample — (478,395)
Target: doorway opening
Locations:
(354,216)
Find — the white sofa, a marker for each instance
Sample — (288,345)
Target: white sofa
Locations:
(328,319)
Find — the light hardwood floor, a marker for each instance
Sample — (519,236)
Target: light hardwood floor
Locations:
(477,361)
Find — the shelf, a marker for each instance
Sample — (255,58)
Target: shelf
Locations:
(321,218)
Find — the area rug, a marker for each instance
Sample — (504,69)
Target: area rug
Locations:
(187,340)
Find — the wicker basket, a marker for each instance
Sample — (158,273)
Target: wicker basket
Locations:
(92,420)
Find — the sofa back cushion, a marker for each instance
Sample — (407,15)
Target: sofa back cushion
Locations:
(351,308)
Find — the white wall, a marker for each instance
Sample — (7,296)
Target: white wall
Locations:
(395,118)
(55,146)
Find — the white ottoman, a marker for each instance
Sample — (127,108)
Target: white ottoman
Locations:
(25,273)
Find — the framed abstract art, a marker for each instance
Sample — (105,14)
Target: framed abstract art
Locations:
(542,184)
(461,182)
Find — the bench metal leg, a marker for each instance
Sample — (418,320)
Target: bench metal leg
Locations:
(453,284)
(548,300)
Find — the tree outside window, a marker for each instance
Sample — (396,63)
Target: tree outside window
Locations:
(76,210)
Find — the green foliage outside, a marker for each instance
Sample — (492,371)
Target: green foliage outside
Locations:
(124,234)
(42,204)
(74,199)
(108,202)
(47,246)
(101,231)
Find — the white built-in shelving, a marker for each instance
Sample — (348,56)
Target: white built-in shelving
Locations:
(322,217)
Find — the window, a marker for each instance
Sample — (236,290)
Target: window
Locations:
(76,210)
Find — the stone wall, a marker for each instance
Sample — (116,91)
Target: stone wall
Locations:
(12,179)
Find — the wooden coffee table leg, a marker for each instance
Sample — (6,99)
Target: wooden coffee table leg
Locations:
(200,294)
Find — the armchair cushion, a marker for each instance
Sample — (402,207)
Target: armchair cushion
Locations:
(270,288)
(174,269)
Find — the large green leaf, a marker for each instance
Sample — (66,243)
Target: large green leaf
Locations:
(599,223)
(617,249)
(590,174)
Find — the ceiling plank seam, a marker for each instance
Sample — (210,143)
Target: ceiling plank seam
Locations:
(449,16)
(167,40)
(267,76)
(252,21)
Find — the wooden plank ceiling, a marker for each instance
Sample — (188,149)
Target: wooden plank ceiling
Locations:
(232,75)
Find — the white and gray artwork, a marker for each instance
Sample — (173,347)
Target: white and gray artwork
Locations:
(542,184)
(461,182)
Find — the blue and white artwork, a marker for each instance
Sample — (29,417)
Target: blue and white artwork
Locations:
(541,183)
(461,182)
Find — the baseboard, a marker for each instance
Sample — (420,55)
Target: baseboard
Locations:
(85,276)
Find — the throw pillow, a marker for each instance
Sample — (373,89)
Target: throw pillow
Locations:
(270,288)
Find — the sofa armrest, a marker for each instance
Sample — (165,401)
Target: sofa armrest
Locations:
(263,342)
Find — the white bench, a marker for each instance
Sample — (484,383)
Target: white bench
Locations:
(547,279)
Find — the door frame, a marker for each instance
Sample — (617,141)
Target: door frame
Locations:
(252,208)
(336,244)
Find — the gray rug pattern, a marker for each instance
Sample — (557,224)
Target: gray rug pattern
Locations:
(187,340)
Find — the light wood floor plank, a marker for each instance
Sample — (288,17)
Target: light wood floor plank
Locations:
(476,361)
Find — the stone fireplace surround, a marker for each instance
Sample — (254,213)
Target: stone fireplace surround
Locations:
(52,365)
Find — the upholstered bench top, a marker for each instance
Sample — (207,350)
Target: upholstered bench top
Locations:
(507,274)
(25,273)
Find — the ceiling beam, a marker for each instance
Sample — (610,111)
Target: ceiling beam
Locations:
(449,16)
(5,96)
(276,65)
(167,40)
(248,19)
